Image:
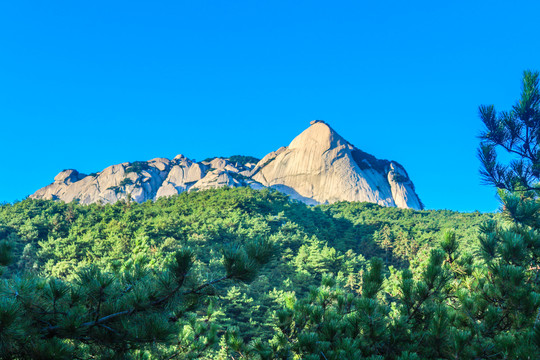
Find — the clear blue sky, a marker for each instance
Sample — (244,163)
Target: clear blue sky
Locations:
(89,84)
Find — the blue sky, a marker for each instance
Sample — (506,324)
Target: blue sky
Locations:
(86,85)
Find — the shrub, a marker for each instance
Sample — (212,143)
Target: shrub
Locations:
(137,167)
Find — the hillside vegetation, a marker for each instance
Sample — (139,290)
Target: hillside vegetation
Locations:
(57,240)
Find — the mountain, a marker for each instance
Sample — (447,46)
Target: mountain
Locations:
(318,166)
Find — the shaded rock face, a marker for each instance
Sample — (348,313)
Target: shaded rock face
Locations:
(319,166)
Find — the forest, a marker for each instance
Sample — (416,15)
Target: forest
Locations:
(235,273)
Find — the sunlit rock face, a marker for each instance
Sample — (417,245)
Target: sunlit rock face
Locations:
(318,166)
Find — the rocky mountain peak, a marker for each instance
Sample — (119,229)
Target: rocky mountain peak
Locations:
(319,135)
(318,166)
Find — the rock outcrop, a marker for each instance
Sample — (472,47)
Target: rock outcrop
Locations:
(319,166)
(322,166)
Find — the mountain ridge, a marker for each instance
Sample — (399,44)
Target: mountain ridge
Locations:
(318,166)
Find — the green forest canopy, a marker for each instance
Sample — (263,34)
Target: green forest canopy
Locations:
(57,240)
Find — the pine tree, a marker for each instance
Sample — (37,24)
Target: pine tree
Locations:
(516,131)
(508,296)
(114,315)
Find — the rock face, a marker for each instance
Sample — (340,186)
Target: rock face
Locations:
(323,167)
(319,166)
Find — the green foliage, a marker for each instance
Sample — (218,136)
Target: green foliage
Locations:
(110,314)
(437,311)
(243,160)
(119,188)
(518,133)
(137,167)
(243,262)
(125,181)
(213,236)
(400,178)
(237,159)
(6,249)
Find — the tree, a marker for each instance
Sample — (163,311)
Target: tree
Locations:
(518,132)
(508,293)
(104,314)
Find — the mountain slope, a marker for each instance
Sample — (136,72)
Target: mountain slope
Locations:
(319,166)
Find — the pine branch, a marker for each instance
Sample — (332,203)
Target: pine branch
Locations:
(110,329)
(215,281)
(101,321)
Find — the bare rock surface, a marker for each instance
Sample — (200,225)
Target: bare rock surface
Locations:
(322,166)
(318,166)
